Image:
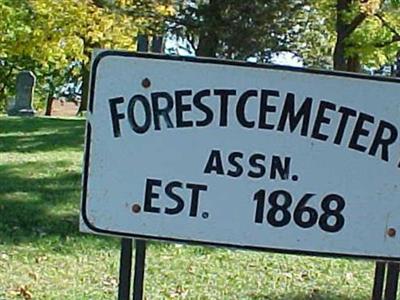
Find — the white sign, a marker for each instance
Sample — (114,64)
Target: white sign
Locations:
(243,155)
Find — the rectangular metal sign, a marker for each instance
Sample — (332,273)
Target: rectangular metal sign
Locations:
(243,155)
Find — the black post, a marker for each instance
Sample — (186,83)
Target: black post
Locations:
(380,268)
(397,73)
(138,280)
(125,269)
(142,43)
(392,279)
(140,245)
(157,44)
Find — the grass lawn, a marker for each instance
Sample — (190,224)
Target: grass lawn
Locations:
(43,255)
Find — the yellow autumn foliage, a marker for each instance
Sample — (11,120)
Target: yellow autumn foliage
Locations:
(46,36)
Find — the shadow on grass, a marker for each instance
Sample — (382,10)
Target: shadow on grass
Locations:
(28,206)
(39,199)
(44,209)
(40,134)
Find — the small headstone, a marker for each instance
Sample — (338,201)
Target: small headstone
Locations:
(24,95)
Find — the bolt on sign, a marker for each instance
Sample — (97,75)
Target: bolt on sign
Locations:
(243,155)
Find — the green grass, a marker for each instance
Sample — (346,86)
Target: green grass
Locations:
(43,255)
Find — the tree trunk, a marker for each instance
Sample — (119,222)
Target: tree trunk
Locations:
(208,43)
(208,39)
(344,29)
(50,98)
(49,104)
(3,86)
(85,90)
(353,64)
(86,76)
(339,59)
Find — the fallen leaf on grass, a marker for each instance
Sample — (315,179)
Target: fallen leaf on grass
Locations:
(39,259)
(23,291)
(179,292)
(33,275)
(304,275)
(349,276)
(110,282)
(4,256)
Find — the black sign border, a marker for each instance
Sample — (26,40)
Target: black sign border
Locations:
(85,175)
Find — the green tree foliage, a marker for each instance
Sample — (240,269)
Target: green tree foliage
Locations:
(340,34)
(55,38)
(238,29)
(346,34)
(48,37)
(12,29)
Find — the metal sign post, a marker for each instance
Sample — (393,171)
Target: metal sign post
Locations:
(379,278)
(138,281)
(392,281)
(140,245)
(125,269)
(391,270)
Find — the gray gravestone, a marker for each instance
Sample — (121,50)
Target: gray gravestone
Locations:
(24,95)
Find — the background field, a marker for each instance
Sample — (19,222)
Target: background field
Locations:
(43,256)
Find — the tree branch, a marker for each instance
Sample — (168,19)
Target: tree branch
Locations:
(396,34)
(387,24)
(354,24)
(395,39)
